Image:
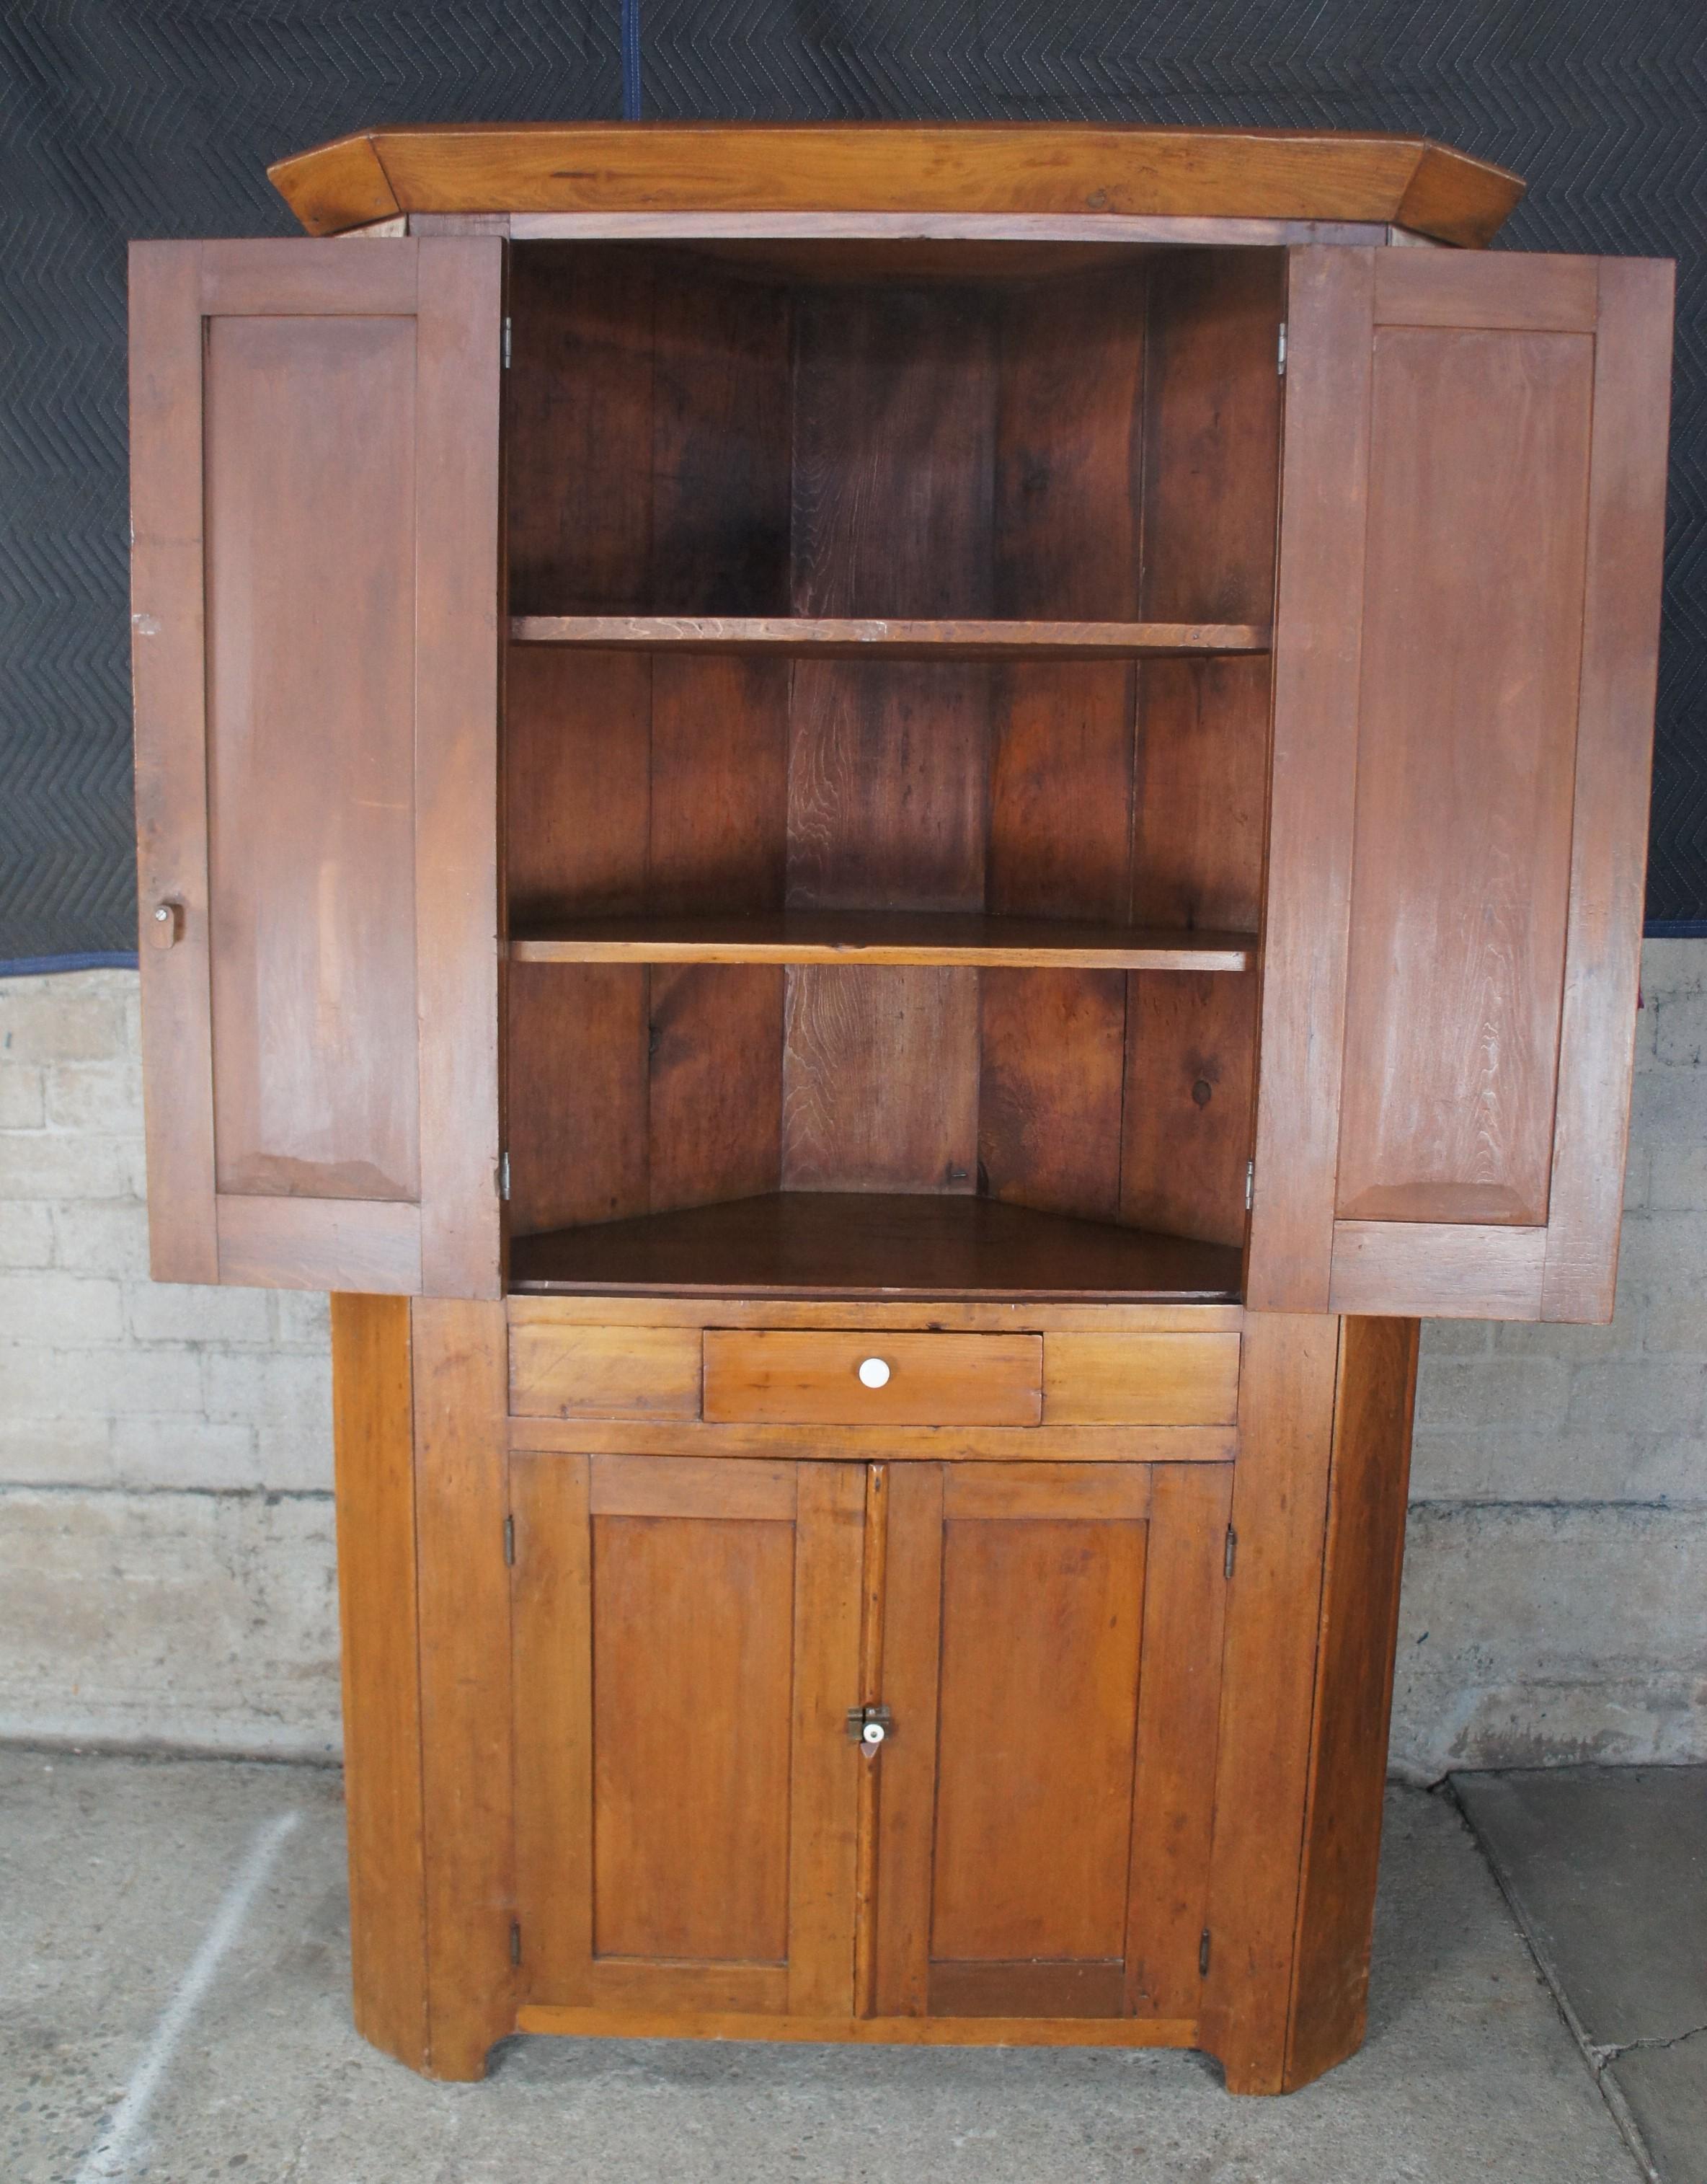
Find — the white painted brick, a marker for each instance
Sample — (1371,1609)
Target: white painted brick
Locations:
(45,1165)
(23,1105)
(1648,1396)
(58,1019)
(54,1451)
(1680,1034)
(1663,1251)
(39,1383)
(1670,1105)
(1676,1320)
(1637,1171)
(1573,1342)
(188,1619)
(97,1095)
(68,1310)
(1674,967)
(26,1235)
(182,1312)
(290,1392)
(1679,1178)
(1456,1338)
(1482,1391)
(185,1452)
(302,1317)
(103,1236)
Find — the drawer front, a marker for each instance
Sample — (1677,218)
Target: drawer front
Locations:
(1141,1380)
(576,1372)
(773,1378)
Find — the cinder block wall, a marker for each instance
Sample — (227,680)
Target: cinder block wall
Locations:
(166,1556)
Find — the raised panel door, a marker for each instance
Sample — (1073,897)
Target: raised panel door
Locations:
(1465,632)
(315,580)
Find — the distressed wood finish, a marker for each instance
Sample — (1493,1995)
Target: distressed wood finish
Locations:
(1032,168)
(1157,1379)
(373,1446)
(853,639)
(559,1372)
(875,937)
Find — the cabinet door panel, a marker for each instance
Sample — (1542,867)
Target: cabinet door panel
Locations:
(1051,1650)
(315,595)
(687,1636)
(1465,649)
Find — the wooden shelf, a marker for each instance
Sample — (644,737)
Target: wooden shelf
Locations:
(884,937)
(810,1243)
(898,640)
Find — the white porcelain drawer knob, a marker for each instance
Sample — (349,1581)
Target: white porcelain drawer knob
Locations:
(873,1373)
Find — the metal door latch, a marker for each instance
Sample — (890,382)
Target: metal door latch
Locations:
(869,1725)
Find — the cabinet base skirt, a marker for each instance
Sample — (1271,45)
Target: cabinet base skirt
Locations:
(864,2031)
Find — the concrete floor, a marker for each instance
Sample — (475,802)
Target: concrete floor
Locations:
(113,1872)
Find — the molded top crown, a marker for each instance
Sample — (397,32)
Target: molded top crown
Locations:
(1039,168)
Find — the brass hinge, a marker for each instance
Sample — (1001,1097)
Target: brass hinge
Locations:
(1232,1550)
(1280,359)
(515,1941)
(1204,1952)
(509,1541)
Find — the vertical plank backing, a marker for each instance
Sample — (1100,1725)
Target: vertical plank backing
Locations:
(1317,651)
(577,1094)
(578,491)
(458,654)
(894,452)
(1626,501)
(373,1446)
(719,444)
(907,1787)
(1179,1699)
(167,669)
(1049,1090)
(460,1384)
(1268,1670)
(553,1624)
(880,1088)
(1190,1063)
(720,770)
(577,772)
(1068,444)
(1347,1757)
(825,1784)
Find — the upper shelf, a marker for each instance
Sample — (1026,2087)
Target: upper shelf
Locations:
(883,937)
(900,640)
(1029,171)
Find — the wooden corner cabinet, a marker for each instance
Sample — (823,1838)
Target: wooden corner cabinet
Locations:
(888,841)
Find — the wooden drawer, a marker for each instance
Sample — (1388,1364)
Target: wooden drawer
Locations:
(563,1370)
(1141,1380)
(772,1378)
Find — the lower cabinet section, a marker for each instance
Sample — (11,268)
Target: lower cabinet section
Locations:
(830,1741)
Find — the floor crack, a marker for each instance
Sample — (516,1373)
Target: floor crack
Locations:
(1600,2055)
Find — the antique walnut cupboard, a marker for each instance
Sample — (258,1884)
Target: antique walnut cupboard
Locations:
(888,841)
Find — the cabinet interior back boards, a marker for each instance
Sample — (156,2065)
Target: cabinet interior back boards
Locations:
(888,841)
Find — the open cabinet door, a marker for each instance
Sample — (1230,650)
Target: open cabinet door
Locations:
(314,481)
(1473,496)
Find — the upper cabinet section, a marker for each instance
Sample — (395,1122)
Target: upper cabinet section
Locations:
(314,438)
(1465,643)
(661,171)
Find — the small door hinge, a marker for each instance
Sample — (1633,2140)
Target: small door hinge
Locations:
(1279,354)
(1230,1552)
(515,1941)
(503,1179)
(506,344)
(509,1542)
(1204,1952)
(1250,1184)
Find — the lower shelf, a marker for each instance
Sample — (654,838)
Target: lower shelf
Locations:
(835,1244)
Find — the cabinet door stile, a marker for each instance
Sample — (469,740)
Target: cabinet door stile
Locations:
(553,1634)
(907,1810)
